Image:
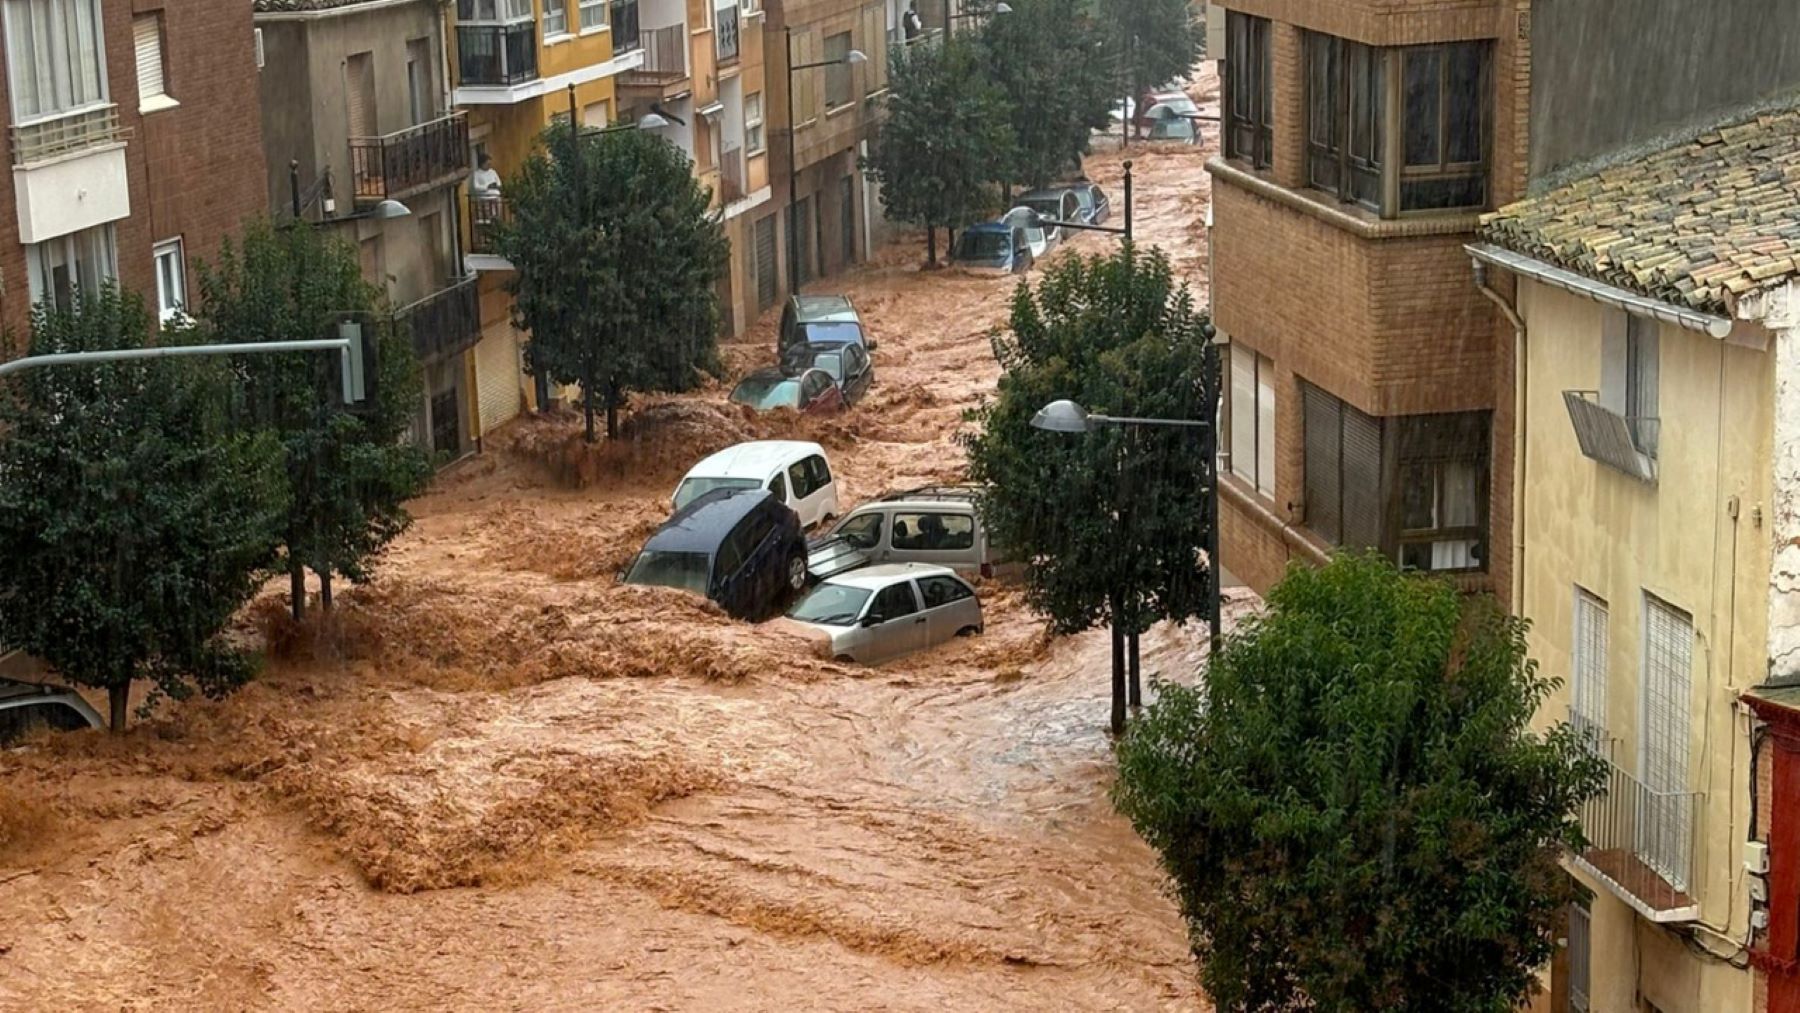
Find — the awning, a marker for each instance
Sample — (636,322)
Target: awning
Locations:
(712,111)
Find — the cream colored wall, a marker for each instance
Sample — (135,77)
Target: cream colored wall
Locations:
(1587,524)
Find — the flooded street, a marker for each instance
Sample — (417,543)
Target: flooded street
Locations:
(494,779)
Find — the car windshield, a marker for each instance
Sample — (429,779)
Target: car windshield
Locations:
(694,488)
(1050,207)
(1172,129)
(766,392)
(982,246)
(832,333)
(831,605)
(832,363)
(685,570)
(1179,104)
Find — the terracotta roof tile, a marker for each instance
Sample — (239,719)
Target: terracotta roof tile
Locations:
(1692,224)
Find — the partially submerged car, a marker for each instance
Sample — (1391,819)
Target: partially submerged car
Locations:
(795,472)
(882,612)
(937,525)
(740,547)
(1031,224)
(1179,129)
(810,391)
(993,246)
(846,362)
(1096,208)
(826,318)
(1057,204)
(26,707)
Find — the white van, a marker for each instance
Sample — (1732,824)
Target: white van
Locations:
(932,525)
(1032,224)
(796,472)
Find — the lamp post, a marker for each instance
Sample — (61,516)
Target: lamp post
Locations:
(855,57)
(1069,417)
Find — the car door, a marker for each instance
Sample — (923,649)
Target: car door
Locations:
(762,572)
(824,498)
(819,393)
(895,624)
(857,373)
(946,601)
(804,502)
(730,587)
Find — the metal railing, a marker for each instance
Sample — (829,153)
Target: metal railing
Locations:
(1642,841)
(61,135)
(397,165)
(496,54)
(727,27)
(486,216)
(447,321)
(731,175)
(1622,442)
(665,55)
(626,34)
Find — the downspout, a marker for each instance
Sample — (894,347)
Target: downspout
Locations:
(1521,381)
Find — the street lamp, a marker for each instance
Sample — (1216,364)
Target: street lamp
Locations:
(853,58)
(320,193)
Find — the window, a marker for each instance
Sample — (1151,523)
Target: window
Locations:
(359,95)
(592,14)
(767,284)
(1248,101)
(864,532)
(800,478)
(597,115)
(1396,130)
(147,35)
(753,122)
(1414,487)
(171,281)
(934,532)
(821,472)
(1580,957)
(1587,682)
(837,75)
(419,90)
(940,591)
(779,489)
(1250,417)
(894,602)
(1665,839)
(59,268)
(1642,351)
(556,18)
(55,57)
(1345,118)
(493,10)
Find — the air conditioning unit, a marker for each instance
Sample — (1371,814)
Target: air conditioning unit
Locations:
(257,35)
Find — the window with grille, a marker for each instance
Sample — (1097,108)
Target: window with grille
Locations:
(1250,419)
(1249,101)
(1665,833)
(1580,957)
(1587,676)
(1642,352)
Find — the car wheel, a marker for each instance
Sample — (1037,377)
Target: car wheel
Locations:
(796,572)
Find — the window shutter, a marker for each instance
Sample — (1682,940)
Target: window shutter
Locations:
(1323,443)
(1587,697)
(1362,480)
(1265,427)
(1243,413)
(146,30)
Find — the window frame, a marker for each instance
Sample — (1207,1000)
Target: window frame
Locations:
(755,141)
(160,252)
(561,20)
(18,63)
(152,100)
(73,246)
(1248,68)
(1590,653)
(838,75)
(1263,420)
(584,7)
(959,591)
(912,598)
(1334,143)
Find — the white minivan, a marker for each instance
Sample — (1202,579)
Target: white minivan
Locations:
(937,525)
(797,473)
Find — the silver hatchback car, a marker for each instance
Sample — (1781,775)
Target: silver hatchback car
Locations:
(882,612)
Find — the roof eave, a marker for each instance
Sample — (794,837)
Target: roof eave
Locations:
(1710,324)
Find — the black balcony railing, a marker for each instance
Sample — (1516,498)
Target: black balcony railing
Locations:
(496,54)
(626,35)
(486,216)
(447,321)
(409,161)
(726,32)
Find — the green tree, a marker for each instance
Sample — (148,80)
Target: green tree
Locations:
(1153,41)
(1355,810)
(135,519)
(349,469)
(618,262)
(1112,522)
(1043,57)
(945,139)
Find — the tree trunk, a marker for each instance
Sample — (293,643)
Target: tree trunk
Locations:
(1136,695)
(1118,669)
(541,381)
(296,584)
(612,410)
(587,407)
(930,246)
(325,592)
(117,696)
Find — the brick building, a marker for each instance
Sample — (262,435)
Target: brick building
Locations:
(136,145)
(1362,140)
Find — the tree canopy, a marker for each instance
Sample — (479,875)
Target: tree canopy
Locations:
(1355,810)
(945,140)
(1045,59)
(348,469)
(135,516)
(618,261)
(1155,41)
(1112,522)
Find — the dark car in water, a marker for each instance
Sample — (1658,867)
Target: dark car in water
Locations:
(829,318)
(846,362)
(812,391)
(740,547)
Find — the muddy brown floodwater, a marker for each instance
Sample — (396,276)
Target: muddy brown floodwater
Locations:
(495,779)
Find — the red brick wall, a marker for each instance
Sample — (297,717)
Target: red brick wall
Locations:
(195,171)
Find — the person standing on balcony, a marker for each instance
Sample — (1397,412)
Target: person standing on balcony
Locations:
(911,21)
(485,185)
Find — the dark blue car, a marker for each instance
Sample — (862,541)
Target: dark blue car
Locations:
(740,547)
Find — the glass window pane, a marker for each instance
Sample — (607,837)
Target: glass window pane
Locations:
(1265,427)
(1455,192)
(1243,413)
(1423,101)
(1321,95)
(1462,90)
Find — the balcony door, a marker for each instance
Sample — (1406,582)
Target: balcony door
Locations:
(1665,829)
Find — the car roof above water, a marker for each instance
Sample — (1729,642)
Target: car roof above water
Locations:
(874,578)
(817,309)
(755,459)
(703,524)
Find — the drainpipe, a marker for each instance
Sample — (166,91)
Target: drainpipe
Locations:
(1520,381)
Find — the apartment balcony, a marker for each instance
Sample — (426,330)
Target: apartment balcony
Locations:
(665,58)
(626,33)
(727,34)
(489,56)
(731,176)
(411,161)
(1622,442)
(1641,845)
(446,322)
(69,172)
(486,216)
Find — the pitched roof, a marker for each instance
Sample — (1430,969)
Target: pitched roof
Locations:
(294,6)
(1700,224)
